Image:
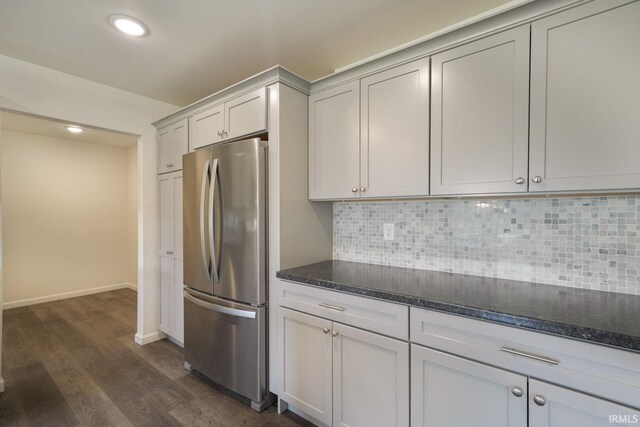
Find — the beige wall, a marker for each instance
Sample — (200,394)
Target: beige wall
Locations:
(132,215)
(65,216)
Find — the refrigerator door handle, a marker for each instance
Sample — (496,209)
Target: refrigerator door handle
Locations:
(203,193)
(219,308)
(212,242)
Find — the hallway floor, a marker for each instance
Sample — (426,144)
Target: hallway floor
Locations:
(74,362)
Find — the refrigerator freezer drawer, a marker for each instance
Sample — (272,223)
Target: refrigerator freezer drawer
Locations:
(226,341)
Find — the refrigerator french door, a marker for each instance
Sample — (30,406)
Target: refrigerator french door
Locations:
(224,220)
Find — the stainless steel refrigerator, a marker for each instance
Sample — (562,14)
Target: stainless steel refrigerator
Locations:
(225,266)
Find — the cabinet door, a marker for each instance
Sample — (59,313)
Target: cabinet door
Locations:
(164,150)
(178,284)
(170,238)
(334,144)
(394,126)
(304,342)
(166,214)
(558,407)
(450,391)
(206,128)
(246,114)
(480,116)
(177,214)
(180,143)
(370,379)
(178,301)
(585,98)
(166,295)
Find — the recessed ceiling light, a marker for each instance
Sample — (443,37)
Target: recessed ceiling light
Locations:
(129,25)
(74,129)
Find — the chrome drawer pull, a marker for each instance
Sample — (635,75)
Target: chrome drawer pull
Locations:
(332,307)
(539,358)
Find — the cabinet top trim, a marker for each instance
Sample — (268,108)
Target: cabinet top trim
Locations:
(508,16)
(277,74)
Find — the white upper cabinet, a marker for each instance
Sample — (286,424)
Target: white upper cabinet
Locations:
(165,150)
(173,142)
(394,126)
(243,115)
(206,127)
(585,99)
(551,405)
(334,144)
(370,138)
(246,114)
(480,116)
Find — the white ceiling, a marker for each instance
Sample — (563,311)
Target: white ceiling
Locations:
(197,47)
(56,129)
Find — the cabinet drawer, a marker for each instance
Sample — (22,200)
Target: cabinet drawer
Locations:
(603,371)
(365,313)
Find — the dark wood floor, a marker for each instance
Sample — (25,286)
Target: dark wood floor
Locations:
(74,362)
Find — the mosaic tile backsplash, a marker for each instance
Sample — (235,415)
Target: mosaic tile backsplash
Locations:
(586,242)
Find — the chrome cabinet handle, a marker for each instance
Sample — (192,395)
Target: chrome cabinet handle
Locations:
(220,134)
(362,189)
(334,333)
(519,180)
(332,307)
(354,190)
(517,391)
(325,330)
(225,134)
(536,179)
(169,252)
(537,357)
(539,400)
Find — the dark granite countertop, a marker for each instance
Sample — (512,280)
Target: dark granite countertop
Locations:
(606,318)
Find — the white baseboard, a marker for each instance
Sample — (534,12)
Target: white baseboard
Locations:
(64,295)
(1,385)
(149,338)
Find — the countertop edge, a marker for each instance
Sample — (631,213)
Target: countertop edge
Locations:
(565,330)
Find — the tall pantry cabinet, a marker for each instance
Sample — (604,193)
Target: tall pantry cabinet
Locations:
(172,144)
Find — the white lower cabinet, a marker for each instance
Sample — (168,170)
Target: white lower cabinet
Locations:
(340,375)
(305,365)
(370,379)
(447,390)
(551,405)
(450,370)
(451,391)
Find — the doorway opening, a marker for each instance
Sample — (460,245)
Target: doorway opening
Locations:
(69,210)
